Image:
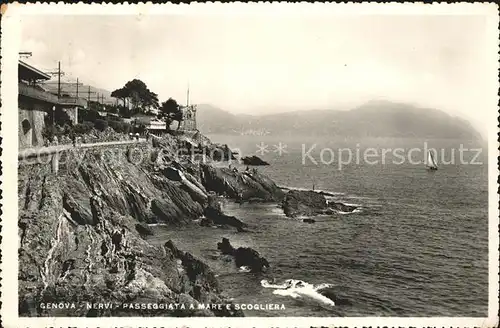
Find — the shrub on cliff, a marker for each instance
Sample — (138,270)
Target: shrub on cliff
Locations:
(89,115)
(85,127)
(120,127)
(49,132)
(126,127)
(115,125)
(101,125)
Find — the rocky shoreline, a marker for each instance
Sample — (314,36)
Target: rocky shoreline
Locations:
(83,233)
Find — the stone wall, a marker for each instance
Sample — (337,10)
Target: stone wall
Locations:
(30,126)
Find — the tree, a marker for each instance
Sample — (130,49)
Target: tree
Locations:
(150,100)
(122,94)
(124,111)
(138,94)
(171,111)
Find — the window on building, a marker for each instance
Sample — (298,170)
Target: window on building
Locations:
(26,126)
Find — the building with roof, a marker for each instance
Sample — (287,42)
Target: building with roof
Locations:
(150,123)
(188,122)
(34,104)
(157,127)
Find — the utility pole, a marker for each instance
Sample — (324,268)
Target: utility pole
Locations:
(76,88)
(59,80)
(88,97)
(97,98)
(59,74)
(188,96)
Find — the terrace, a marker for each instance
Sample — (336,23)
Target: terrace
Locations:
(37,93)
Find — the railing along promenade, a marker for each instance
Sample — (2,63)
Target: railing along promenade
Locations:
(56,150)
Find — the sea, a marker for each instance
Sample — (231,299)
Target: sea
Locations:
(416,246)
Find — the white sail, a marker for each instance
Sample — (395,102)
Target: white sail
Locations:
(430,160)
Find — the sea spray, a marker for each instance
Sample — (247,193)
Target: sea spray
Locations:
(300,289)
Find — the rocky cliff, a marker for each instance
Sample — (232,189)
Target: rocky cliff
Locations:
(82,232)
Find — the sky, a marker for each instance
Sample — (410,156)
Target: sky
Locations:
(264,64)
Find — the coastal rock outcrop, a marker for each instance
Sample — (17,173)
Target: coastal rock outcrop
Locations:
(311,203)
(214,215)
(302,202)
(244,256)
(254,161)
(240,186)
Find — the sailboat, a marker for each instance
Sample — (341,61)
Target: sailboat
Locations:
(431,162)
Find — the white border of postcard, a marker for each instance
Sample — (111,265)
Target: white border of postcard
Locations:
(10,48)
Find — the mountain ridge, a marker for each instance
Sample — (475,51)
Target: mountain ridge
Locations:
(372,119)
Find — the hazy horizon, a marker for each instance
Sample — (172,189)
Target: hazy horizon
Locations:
(265,65)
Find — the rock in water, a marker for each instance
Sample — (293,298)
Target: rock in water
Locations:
(244,256)
(214,213)
(225,247)
(301,202)
(254,161)
(309,220)
(310,203)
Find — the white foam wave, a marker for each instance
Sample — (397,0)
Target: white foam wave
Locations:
(277,211)
(328,192)
(300,289)
(355,211)
(244,269)
(351,204)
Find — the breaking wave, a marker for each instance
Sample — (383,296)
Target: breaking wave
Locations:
(358,210)
(319,191)
(300,289)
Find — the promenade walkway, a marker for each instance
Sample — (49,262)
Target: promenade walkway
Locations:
(54,152)
(49,150)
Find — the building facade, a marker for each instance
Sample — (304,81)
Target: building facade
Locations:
(34,105)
